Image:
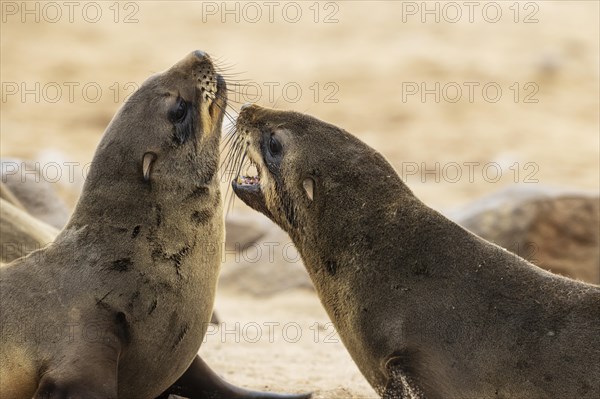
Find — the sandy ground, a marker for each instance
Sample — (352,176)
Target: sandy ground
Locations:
(355,64)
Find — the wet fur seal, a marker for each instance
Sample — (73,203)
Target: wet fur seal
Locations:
(118,304)
(425,308)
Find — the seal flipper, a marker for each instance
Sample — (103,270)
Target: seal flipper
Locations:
(200,382)
(400,386)
(89,372)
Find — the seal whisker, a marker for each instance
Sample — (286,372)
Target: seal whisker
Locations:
(222,65)
(242,161)
(226,73)
(236,148)
(232,154)
(224,68)
(238,80)
(227,67)
(231,100)
(230,131)
(215,96)
(230,202)
(230,138)
(236,102)
(239,159)
(230,117)
(229,195)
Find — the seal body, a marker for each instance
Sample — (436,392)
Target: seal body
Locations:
(118,304)
(425,308)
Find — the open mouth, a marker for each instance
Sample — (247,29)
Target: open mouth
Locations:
(248,180)
(248,188)
(252,178)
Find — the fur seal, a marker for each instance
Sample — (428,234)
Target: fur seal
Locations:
(118,304)
(425,308)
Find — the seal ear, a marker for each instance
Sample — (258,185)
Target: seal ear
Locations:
(147,162)
(309,187)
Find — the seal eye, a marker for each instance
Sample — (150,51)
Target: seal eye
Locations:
(178,113)
(274,146)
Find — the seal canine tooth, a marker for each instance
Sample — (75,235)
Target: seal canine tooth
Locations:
(425,308)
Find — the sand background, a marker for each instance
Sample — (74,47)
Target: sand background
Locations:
(353,62)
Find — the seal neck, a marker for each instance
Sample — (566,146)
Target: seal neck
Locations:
(116,197)
(389,231)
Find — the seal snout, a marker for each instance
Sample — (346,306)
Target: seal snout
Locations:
(247,114)
(211,86)
(248,184)
(201,55)
(200,66)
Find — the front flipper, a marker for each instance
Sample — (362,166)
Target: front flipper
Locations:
(400,385)
(86,372)
(200,382)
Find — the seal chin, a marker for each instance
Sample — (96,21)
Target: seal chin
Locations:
(248,189)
